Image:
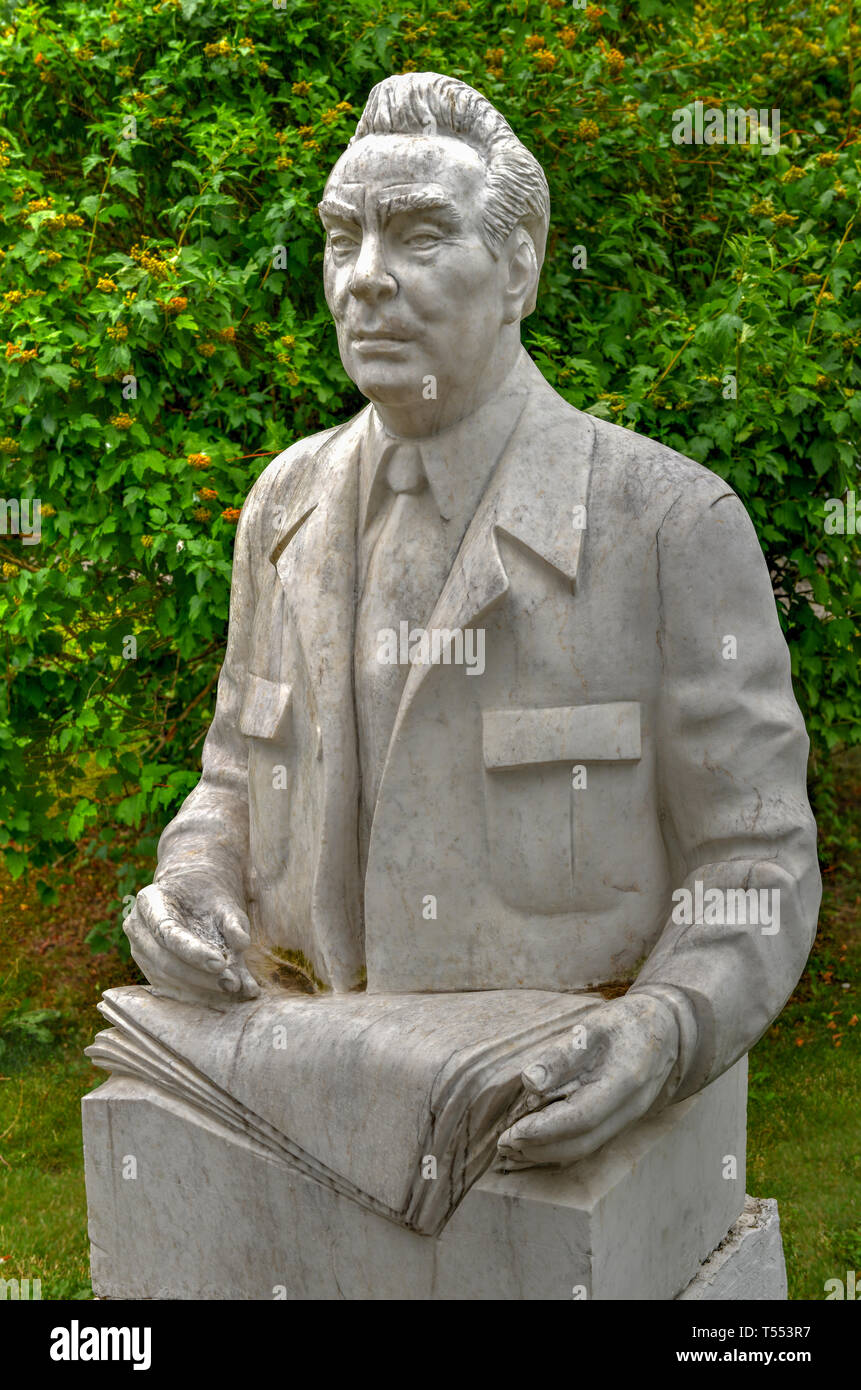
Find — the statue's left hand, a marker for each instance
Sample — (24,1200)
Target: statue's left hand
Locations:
(588,1094)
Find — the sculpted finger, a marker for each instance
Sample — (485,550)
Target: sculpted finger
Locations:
(235,929)
(563,1151)
(584,1109)
(190,949)
(248,986)
(162,919)
(576,1054)
(162,966)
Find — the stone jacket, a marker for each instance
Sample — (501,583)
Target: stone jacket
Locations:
(633,732)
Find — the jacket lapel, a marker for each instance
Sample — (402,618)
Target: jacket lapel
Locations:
(315,557)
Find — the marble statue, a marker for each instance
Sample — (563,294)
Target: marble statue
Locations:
(505,705)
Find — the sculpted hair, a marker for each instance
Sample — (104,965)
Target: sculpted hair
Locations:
(426,103)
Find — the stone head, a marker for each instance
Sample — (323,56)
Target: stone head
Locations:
(436,222)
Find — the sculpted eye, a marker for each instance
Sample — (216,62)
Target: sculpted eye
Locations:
(341,243)
(423,241)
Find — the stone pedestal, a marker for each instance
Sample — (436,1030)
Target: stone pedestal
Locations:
(748,1264)
(207,1216)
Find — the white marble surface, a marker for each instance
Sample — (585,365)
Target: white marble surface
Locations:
(208,1216)
(748,1266)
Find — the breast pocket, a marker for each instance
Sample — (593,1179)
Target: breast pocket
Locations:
(265,708)
(543,798)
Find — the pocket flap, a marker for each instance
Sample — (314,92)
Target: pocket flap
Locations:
(572,734)
(264,707)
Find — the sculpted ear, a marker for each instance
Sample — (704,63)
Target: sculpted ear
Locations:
(523,273)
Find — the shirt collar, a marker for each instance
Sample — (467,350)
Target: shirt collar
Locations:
(458,461)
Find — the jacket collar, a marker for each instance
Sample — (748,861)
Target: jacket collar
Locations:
(458,461)
(537,495)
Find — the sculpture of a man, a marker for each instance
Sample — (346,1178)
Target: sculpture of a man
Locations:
(505,702)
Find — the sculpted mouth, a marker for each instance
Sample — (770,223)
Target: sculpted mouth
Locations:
(378,340)
(361,337)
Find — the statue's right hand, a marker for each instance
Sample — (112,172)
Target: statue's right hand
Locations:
(195,954)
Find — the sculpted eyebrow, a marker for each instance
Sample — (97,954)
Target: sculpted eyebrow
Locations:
(333,207)
(392,203)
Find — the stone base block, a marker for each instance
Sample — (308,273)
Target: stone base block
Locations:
(748,1264)
(181,1209)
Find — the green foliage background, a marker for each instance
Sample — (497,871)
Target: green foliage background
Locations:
(155,157)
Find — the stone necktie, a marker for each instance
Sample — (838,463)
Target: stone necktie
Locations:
(408,566)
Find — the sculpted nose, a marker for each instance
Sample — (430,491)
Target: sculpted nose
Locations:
(371,280)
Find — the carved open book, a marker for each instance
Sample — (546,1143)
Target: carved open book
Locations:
(355,1091)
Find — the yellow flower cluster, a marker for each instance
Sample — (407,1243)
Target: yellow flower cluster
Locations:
(783,219)
(534,42)
(826,159)
(208,494)
(118,333)
(152,264)
(301,89)
(231,514)
(227,335)
(568,36)
(221,49)
(106,284)
(8,445)
(4,158)
(793,174)
(14,351)
(201,513)
(283,161)
(545,60)
(40,204)
(146,542)
(65,219)
(588,130)
(206,349)
(122,421)
(177,304)
(51,257)
(198,460)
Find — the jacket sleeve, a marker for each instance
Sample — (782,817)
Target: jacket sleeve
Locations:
(732,754)
(208,839)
